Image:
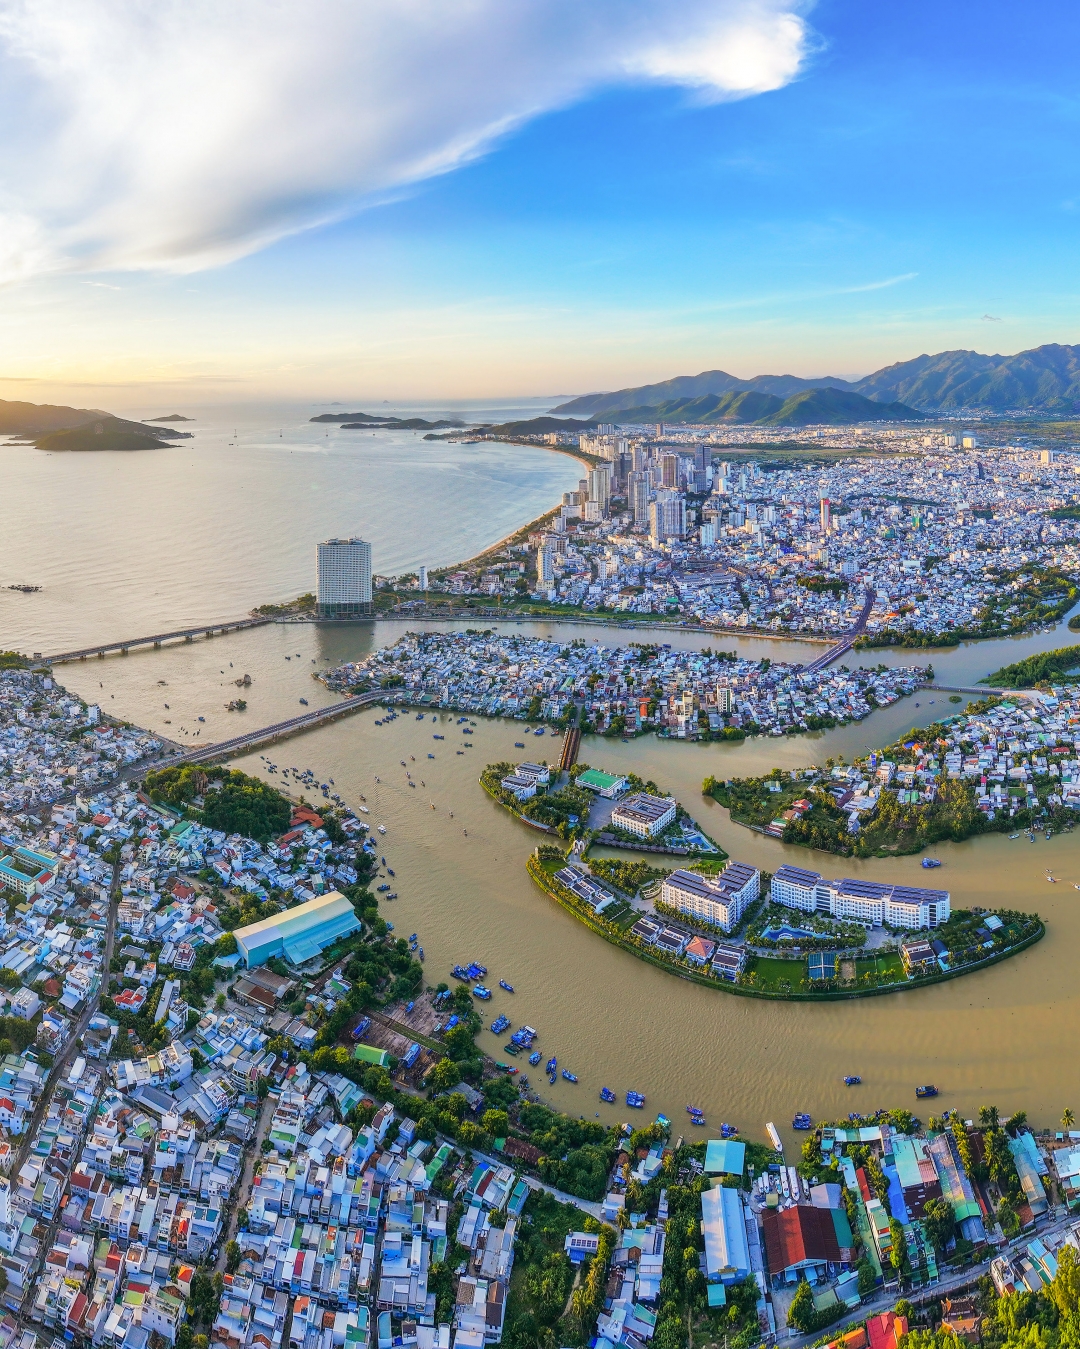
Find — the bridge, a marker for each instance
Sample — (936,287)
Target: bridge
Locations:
(847,641)
(155,640)
(266,735)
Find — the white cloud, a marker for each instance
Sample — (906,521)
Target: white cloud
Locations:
(160,134)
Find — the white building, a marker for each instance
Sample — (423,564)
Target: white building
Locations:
(719,900)
(422,580)
(344,578)
(868,902)
(643,814)
(522,787)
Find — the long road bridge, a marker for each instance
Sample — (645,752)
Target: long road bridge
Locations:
(156,639)
(241,744)
(847,641)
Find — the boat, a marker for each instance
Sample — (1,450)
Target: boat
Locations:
(923,1092)
(930,862)
(363,810)
(381,828)
(519,744)
(438,737)
(606,1094)
(390,872)
(1012,836)
(431,756)
(460,972)
(635,1100)
(774,1137)
(729,1131)
(508,987)
(852,1081)
(476,971)
(500,1024)
(568,1076)
(420,953)
(511,1048)
(551,1065)
(481,992)
(801,1120)
(534,1058)
(304,701)
(694,1110)
(539,730)
(664,1122)
(698,1119)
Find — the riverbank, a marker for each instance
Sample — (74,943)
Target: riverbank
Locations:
(766,977)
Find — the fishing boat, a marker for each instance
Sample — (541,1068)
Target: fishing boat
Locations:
(698,1119)
(438,737)
(539,730)
(930,862)
(774,1137)
(568,1076)
(381,828)
(1012,836)
(534,1058)
(923,1092)
(635,1100)
(663,1121)
(606,1094)
(481,992)
(460,972)
(500,1024)
(852,1081)
(304,701)
(511,1048)
(551,1065)
(519,744)
(801,1120)
(420,953)
(729,1131)
(504,985)
(694,1110)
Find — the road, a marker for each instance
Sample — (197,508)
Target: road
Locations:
(585,1205)
(252,1156)
(847,641)
(885,1301)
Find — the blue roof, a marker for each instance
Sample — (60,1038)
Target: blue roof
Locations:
(724,1156)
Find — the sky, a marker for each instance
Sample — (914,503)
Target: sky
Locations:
(383,199)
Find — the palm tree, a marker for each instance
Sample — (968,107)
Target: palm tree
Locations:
(1067,1118)
(988,1116)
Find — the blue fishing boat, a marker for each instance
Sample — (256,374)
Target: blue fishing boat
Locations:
(930,862)
(460,972)
(519,744)
(504,985)
(500,1024)
(729,1130)
(923,1092)
(801,1120)
(694,1110)
(606,1094)
(481,992)
(663,1121)
(551,1065)
(568,1076)
(635,1099)
(852,1081)
(534,1058)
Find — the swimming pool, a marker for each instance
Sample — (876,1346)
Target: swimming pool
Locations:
(786,933)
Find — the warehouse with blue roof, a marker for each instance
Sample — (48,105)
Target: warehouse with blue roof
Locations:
(299,934)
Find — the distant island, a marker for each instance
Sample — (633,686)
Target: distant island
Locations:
(107,434)
(172,417)
(53,427)
(1045,379)
(364,421)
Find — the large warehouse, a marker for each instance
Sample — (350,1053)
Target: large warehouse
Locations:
(298,934)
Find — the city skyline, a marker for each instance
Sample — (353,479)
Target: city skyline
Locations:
(596,197)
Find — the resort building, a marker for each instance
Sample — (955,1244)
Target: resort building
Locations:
(910,907)
(344,578)
(521,786)
(539,773)
(604,784)
(298,934)
(642,814)
(719,900)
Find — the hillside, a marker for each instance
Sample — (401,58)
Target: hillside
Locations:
(353,421)
(1043,379)
(114,434)
(35,419)
(748,407)
(818,407)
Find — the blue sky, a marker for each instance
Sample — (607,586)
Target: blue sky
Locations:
(911,185)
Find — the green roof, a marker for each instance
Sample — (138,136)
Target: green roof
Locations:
(593,777)
(369,1054)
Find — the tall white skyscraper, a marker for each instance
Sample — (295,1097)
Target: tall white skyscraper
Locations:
(637,493)
(600,487)
(344,578)
(422,579)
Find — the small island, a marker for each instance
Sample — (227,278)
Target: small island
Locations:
(172,417)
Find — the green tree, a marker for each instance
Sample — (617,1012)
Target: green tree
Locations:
(1067,1119)
(988,1116)
(801,1312)
(444,1075)
(232,1257)
(940,1222)
(495,1122)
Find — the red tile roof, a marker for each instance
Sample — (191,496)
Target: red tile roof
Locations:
(885,1330)
(795,1235)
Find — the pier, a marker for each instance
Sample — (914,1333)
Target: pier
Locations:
(155,640)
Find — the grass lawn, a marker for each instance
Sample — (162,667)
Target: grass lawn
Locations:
(890,964)
(779,975)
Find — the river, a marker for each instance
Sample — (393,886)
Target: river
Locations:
(129,544)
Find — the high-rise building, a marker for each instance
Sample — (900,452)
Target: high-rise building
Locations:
(702,457)
(640,456)
(669,466)
(545,565)
(637,497)
(667,517)
(344,578)
(708,533)
(422,579)
(600,486)
(826,515)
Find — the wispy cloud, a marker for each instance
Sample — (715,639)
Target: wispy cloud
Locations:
(877,285)
(180,135)
(991,318)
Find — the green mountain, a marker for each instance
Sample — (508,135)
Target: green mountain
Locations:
(834,407)
(748,407)
(107,433)
(35,419)
(1043,379)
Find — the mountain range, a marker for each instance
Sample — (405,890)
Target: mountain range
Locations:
(41,421)
(1043,379)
